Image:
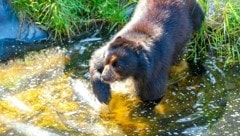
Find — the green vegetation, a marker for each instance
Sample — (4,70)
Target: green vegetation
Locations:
(218,37)
(67,17)
(220,33)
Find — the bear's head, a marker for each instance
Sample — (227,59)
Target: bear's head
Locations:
(121,60)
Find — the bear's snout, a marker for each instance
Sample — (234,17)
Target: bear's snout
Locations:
(108,74)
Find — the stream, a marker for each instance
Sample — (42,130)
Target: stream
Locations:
(48,93)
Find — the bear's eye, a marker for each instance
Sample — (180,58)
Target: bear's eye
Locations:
(100,70)
(116,65)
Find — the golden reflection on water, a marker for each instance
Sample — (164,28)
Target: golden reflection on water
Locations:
(43,102)
(119,111)
(37,97)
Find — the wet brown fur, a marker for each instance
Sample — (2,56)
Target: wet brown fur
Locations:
(146,47)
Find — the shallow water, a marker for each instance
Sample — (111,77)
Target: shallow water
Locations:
(48,93)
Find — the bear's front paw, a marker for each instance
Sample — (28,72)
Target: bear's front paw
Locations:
(101,90)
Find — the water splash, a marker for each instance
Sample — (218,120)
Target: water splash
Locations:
(18,103)
(82,91)
(195,131)
(93,39)
(26,129)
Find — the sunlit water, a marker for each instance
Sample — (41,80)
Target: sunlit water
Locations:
(48,93)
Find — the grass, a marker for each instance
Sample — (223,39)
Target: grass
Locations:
(64,18)
(219,35)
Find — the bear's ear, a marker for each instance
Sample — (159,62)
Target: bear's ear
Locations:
(118,38)
(118,41)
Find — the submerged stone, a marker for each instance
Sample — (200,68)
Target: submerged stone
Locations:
(15,36)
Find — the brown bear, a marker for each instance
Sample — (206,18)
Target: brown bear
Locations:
(145,48)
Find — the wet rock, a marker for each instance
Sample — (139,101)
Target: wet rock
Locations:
(15,36)
(12,47)
(130,9)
